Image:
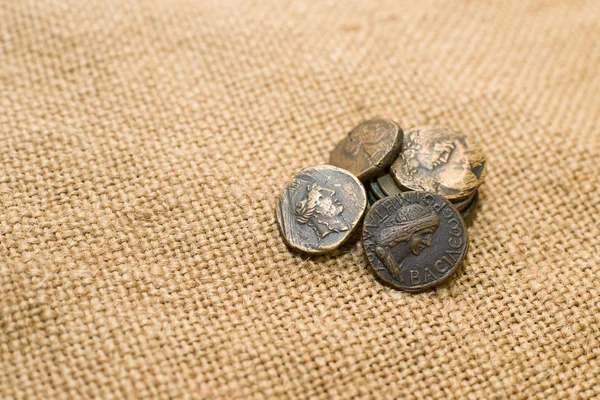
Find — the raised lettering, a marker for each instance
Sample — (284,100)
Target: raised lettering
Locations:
(399,200)
(438,267)
(429,276)
(427,199)
(447,213)
(389,206)
(455,242)
(414,277)
(438,207)
(453,253)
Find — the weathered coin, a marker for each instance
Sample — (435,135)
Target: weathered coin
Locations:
(439,160)
(414,241)
(463,204)
(368,149)
(318,211)
(376,190)
(468,213)
(388,185)
(371,197)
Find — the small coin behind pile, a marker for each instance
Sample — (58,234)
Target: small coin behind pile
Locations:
(376,190)
(388,185)
(468,213)
(369,149)
(320,209)
(463,204)
(414,241)
(439,160)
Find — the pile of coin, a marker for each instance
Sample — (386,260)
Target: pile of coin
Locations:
(418,189)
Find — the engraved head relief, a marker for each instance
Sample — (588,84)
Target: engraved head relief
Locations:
(414,225)
(436,155)
(365,140)
(320,209)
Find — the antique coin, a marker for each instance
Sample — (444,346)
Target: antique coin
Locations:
(468,213)
(388,185)
(318,211)
(439,160)
(376,190)
(463,204)
(368,149)
(414,241)
(371,198)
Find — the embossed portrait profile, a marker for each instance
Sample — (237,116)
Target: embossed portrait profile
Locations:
(318,206)
(365,140)
(439,160)
(412,226)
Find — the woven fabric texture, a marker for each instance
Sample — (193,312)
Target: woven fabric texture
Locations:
(143,145)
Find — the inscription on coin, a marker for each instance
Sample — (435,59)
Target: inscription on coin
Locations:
(441,161)
(318,211)
(414,241)
(368,149)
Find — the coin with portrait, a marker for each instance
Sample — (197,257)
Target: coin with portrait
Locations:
(414,241)
(439,160)
(369,148)
(320,209)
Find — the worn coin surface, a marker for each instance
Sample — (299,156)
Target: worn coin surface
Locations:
(388,185)
(414,241)
(439,160)
(318,211)
(368,149)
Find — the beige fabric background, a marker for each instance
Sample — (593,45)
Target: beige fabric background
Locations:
(142,147)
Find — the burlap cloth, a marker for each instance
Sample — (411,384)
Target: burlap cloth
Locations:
(143,145)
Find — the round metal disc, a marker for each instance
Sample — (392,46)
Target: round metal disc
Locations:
(388,185)
(376,190)
(414,241)
(318,211)
(439,160)
(463,204)
(369,149)
(468,213)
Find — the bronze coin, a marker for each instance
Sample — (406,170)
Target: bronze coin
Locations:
(414,241)
(468,213)
(439,160)
(388,185)
(318,211)
(371,198)
(369,149)
(376,190)
(463,204)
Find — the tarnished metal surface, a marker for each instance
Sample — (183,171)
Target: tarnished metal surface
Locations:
(369,149)
(414,241)
(320,208)
(439,160)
